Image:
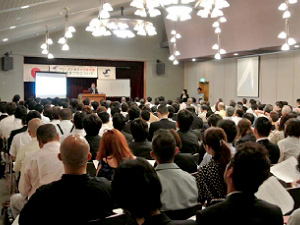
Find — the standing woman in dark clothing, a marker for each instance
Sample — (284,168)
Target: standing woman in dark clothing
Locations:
(184,95)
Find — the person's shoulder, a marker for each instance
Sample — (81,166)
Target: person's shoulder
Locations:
(267,206)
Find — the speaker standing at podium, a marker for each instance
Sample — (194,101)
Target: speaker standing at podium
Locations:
(93,89)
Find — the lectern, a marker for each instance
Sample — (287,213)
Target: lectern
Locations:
(94,97)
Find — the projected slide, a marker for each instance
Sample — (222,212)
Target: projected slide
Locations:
(51,85)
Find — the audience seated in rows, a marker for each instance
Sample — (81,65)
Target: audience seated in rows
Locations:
(74,199)
(39,168)
(249,168)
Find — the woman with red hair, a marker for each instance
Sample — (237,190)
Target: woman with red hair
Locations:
(113,149)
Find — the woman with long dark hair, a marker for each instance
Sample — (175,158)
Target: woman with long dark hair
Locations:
(209,177)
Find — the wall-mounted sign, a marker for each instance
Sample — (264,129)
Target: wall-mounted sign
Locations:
(107,73)
(76,71)
(29,71)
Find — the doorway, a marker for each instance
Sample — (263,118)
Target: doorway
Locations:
(205,89)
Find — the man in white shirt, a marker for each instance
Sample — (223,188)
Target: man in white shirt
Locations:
(32,146)
(39,168)
(106,125)
(10,110)
(20,113)
(179,188)
(55,114)
(78,123)
(40,109)
(65,126)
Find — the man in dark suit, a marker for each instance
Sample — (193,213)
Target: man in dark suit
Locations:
(93,89)
(249,168)
(133,113)
(262,130)
(188,138)
(197,121)
(163,123)
(92,125)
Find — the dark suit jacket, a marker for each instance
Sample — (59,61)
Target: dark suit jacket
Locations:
(162,124)
(241,209)
(273,150)
(197,123)
(127,127)
(189,142)
(94,144)
(91,90)
(128,136)
(185,161)
(247,137)
(141,149)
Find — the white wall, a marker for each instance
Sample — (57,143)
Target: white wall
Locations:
(279,78)
(85,46)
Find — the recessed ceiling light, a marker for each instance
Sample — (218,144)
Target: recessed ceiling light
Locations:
(296,46)
(18,18)
(193,60)
(25,7)
(236,54)
(12,27)
(5,39)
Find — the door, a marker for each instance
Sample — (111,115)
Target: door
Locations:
(205,89)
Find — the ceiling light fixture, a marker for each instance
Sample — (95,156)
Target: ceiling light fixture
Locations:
(12,27)
(174,37)
(236,54)
(25,7)
(296,46)
(211,7)
(146,7)
(289,41)
(69,30)
(194,60)
(5,39)
(121,27)
(218,31)
(46,44)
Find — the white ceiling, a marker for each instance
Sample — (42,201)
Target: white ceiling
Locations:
(30,22)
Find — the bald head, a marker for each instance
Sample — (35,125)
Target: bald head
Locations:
(33,125)
(221,106)
(75,152)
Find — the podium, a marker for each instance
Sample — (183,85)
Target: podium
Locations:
(92,97)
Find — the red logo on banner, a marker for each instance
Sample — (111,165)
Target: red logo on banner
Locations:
(33,71)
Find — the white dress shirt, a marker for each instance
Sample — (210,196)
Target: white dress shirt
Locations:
(179,188)
(4,122)
(18,141)
(45,119)
(54,122)
(105,126)
(66,127)
(9,127)
(289,147)
(39,168)
(236,119)
(80,132)
(32,146)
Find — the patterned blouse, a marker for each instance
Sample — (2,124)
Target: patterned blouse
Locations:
(210,183)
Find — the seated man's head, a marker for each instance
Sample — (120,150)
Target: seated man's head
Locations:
(92,124)
(139,130)
(65,114)
(119,121)
(78,119)
(163,111)
(104,116)
(134,112)
(33,125)
(262,127)
(136,188)
(163,147)
(46,133)
(75,153)
(213,120)
(184,120)
(249,168)
(229,128)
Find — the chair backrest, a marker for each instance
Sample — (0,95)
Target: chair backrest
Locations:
(295,193)
(183,214)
